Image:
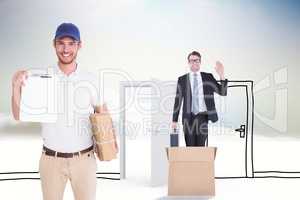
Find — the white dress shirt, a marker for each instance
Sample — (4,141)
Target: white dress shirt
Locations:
(202,105)
(77,96)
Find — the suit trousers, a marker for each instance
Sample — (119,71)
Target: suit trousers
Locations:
(196,129)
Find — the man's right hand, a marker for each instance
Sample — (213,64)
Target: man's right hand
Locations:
(174,125)
(19,78)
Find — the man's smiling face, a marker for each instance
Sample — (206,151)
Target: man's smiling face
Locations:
(66,49)
(194,63)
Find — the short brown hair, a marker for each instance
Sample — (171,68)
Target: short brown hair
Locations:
(194,53)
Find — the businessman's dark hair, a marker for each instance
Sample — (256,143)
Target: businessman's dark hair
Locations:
(194,53)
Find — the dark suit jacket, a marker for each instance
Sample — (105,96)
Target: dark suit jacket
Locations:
(184,94)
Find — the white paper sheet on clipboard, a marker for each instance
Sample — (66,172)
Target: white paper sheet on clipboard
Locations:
(39,99)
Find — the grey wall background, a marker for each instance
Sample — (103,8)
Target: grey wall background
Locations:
(151,39)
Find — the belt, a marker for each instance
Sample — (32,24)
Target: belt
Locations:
(50,152)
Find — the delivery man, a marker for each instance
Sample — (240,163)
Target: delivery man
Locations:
(68,145)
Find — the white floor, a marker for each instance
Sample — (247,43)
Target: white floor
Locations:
(270,189)
(21,153)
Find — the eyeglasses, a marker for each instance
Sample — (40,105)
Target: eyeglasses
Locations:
(194,60)
(61,45)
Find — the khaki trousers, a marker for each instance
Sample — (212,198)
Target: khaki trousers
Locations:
(80,170)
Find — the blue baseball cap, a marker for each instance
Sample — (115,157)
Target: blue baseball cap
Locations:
(67,30)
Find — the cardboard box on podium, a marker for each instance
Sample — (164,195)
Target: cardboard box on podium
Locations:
(191,171)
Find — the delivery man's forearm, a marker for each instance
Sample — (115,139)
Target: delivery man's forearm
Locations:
(17,83)
(15,102)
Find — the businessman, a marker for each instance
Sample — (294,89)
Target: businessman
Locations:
(195,90)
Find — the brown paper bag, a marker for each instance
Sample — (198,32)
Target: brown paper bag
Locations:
(104,134)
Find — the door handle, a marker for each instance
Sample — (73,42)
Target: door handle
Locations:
(241,130)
